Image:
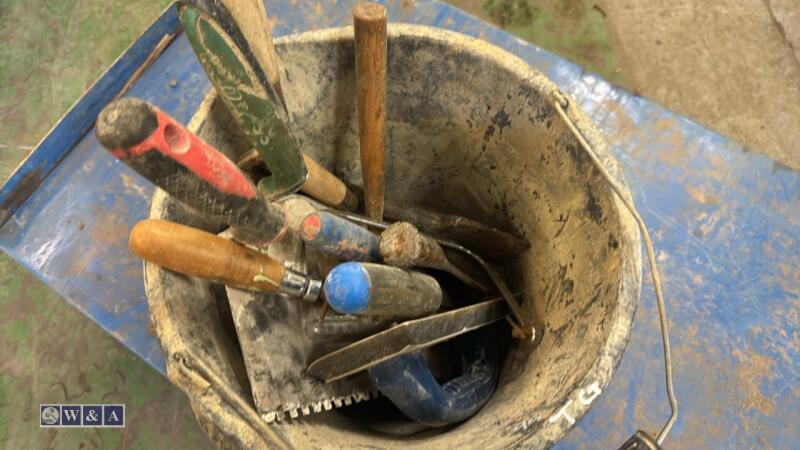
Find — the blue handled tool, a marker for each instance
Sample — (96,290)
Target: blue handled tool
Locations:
(339,237)
(406,337)
(408,382)
(376,290)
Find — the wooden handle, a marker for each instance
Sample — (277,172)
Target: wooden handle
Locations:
(369,21)
(197,253)
(251,17)
(327,188)
(321,184)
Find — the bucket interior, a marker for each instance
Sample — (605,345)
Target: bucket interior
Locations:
(470,131)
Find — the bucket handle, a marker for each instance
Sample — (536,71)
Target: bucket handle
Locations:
(640,440)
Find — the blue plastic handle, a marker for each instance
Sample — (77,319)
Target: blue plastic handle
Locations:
(408,382)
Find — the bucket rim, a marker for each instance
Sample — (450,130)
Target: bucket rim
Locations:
(629,289)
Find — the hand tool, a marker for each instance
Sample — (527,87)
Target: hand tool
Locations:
(275,347)
(496,245)
(200,254)
(321,184)
(522,327)
(402,245)
(369,289)
(640,441)
(333,235)
(369,24)
(327,188)
(341,328)
(493,244)
(233,41)
(409,383)
(162,150)
(405,338)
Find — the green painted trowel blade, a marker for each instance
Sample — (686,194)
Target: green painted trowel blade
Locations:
(256,107)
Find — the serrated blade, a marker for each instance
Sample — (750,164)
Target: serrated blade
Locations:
(276,349)
(405,338)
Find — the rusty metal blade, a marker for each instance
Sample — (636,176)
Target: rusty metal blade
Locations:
(406,337)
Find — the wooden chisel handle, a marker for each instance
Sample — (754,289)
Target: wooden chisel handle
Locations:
(369,21)
(321,184)
(189,169)
(200,254)
(327,188)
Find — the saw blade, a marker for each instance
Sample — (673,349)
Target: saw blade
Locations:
(275,347)
(405,338)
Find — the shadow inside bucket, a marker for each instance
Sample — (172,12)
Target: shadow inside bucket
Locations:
(470,131)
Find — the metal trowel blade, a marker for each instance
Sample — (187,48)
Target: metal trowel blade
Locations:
(276,349)
(404,338)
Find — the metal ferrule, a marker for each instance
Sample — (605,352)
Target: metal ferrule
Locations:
(298,284)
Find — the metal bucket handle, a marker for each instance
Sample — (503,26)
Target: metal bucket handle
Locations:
(640,440)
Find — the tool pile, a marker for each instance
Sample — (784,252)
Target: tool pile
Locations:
(329,306)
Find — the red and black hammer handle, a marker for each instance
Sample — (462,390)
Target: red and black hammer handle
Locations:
(162,150)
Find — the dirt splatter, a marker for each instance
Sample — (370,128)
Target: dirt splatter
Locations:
(751,369)
(701,196)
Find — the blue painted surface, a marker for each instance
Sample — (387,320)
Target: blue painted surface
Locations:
(73,231)
(409,383)
(347,288)
(340,238)
(725,223)
(79,119)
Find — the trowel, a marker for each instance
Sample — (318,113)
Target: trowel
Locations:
(276,347)
(233,41)
(275,307)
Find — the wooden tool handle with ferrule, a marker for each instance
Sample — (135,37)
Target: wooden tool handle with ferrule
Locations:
(200,254)
(369,21)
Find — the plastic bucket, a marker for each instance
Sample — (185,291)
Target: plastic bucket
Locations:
(472,131)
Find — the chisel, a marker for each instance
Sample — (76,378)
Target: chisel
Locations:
(369,23)
(405,338)
(402,245)
(369,289)
(189,169)
(200,254)
(233,41)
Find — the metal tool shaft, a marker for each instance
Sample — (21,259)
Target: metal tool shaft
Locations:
(405,338)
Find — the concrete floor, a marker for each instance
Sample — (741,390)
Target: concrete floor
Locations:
(732,65)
